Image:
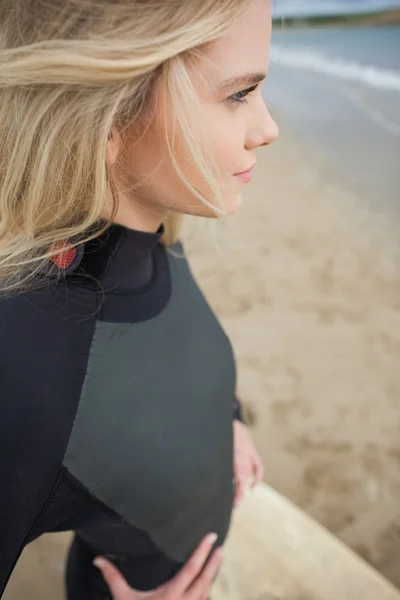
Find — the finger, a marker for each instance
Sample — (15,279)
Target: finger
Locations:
(259,471)
(239,493)
(256,473)
(244,471)
(201,586)
(182,581)
(117,584)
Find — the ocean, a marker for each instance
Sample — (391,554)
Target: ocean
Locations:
(302,8)
(338,89)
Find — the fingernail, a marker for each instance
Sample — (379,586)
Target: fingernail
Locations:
(212,538)
(99,563)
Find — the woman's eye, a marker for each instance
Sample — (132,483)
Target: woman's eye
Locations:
(241,97)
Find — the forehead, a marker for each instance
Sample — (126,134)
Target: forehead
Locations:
(245,47)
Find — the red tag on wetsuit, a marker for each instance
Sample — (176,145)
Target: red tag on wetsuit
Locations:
(66,256)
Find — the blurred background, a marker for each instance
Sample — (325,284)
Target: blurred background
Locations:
(336,79)
(306,281)
(319,347)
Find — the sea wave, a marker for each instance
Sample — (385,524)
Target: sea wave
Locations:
(311,60)
(308,8)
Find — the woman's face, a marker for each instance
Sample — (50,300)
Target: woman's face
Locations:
(234,118)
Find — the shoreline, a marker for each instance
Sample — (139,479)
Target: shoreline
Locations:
(381,18)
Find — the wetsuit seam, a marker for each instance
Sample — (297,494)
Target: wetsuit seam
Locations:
(35,525)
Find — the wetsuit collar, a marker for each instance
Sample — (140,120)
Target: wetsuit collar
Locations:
(120,259)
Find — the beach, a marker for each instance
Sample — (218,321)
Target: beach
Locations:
(338,90)
(306,282)
(308,288)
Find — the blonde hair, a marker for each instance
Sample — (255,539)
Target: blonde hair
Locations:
(69,71)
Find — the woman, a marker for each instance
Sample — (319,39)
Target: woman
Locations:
(117,382)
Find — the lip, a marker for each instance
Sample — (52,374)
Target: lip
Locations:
(245,176)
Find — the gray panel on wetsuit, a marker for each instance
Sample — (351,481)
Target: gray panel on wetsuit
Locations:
(153,434)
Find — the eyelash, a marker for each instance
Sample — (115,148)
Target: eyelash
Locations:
(241,97)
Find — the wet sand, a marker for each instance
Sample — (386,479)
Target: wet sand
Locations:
(306,282)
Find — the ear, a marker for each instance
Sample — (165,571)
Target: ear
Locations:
(113,146)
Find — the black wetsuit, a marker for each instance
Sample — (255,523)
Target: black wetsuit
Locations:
(117,389)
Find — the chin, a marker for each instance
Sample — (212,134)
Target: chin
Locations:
(231,207)
(233,203)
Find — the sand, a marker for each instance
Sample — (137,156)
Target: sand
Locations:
(306,282)
(308,289)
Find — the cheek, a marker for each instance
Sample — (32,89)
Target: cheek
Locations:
(227,143)
(153,175)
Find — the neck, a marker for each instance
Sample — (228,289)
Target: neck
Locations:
(136,215)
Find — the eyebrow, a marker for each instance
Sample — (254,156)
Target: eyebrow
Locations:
(247,79)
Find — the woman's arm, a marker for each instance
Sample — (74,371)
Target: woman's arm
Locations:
(43,353)
(27,478)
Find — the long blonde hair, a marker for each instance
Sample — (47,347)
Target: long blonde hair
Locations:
(69,71)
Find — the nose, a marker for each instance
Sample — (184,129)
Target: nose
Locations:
(263,131)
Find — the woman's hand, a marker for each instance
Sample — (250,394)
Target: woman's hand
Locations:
(191,583)
(247,463)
